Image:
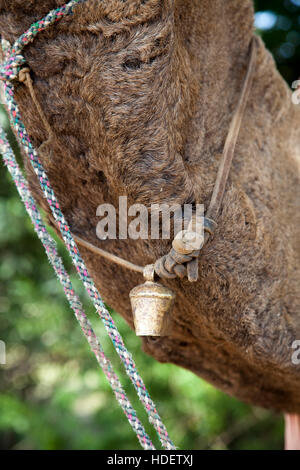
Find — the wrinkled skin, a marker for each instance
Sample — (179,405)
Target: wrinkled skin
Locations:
(140,95)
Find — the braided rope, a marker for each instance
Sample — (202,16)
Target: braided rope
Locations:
(11,68)
(174,264)
(74,301)
(36,163)
(181,261)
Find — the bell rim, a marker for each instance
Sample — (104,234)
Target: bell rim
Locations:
(143,291)
(152,295)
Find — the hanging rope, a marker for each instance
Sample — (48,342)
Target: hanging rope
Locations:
(8,72)
(58,266)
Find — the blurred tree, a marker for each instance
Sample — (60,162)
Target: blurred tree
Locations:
(52,395)
(278,21)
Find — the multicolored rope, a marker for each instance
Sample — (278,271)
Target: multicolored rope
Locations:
(8,75)
(11,68)
(74,301)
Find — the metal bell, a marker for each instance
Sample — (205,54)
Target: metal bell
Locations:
(151,305)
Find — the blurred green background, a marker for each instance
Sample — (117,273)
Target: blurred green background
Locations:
(52,393)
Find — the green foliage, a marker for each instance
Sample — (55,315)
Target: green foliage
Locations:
(52,393)
(282,33)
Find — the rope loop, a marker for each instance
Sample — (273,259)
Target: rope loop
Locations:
(181,260)
(11,68)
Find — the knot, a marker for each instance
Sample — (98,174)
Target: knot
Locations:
(10,69)
(175,264)
(23,74)
(182,260)
(187,241)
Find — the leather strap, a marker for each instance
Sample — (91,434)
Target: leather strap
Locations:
(232,137)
